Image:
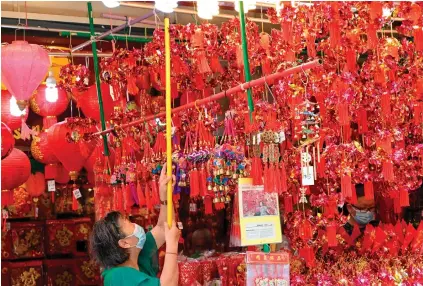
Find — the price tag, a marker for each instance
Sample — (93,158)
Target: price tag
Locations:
(180,225)
(5,214)
(51,185)
(307,176)
(77,194)
(193,207)
(282,137)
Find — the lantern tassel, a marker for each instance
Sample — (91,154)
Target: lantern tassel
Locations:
(368,190)
(388,171)
(404,198)
(331,235)
(208,206)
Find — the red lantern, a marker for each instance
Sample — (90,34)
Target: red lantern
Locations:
(10,113)
(7,141)
(49,102)
(23,68)
(95,163)
(68,145)
(62,176)
(35,185)
(16,169)
(88,102)
(42,151)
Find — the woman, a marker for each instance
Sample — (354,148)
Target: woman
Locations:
(128,255)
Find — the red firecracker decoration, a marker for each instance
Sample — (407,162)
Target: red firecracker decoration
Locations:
(7,141)
(49,102)
(23,68)
(15,170)
(88,102)
(11,116)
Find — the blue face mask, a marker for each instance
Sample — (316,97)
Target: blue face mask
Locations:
(140,234)
(363,218)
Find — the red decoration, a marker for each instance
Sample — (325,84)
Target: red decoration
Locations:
(16,169)
(12,121)
(88,102)
(7,141)
(62,175)
(42,151)
(23,68)
(35,185)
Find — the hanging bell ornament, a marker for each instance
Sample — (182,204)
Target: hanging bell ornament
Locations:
(215,189)
(234,176)
(228,172)
(209,187)
(222,199)
(216,200)
(228,198)
(221,188)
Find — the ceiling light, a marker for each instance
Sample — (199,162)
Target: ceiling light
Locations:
(166,6)
(248,5)
(14,108)
(111,4)
(206,9)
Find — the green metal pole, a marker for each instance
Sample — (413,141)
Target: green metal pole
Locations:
(114,37)
(245,56)
(97,79)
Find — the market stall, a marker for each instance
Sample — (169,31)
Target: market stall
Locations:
(297,149)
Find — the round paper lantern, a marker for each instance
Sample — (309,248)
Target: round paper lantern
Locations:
(62,176)
(88,102)
(49,102)
(68,146)
(15,170)
(10,113)
(35,185)
(42,151)
(23,67)
(7,141)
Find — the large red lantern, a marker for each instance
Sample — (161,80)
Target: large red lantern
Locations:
(35,185)
(11,115)
(62,176)
(15,170)
(88,102)
(66,139)
(7,141)
(42,151)
(49,102)
(23,67)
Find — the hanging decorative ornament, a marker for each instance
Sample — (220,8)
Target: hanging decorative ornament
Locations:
(11,115)
(49,102)
(16,169)
(89,102)
(7,141)
(23,68)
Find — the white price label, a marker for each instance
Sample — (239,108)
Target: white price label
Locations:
(51,185)
(5,214)
(307,176)
(282,137)
(77,194)
(193,207)
(180,225)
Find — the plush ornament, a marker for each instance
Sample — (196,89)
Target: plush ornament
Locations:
(88,102)
(7,141)
(10,113)
(23,68)
(16,169)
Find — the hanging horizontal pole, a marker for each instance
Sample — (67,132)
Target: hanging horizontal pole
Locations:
(114,30)
(242,87)
(123,18)
(80,55)
(114,37)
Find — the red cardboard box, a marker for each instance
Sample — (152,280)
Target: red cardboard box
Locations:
(60,237)
(59,272)
(27,240)
(83,227)
(87,271)
(26,273)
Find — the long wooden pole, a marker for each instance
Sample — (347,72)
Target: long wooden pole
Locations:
(97,79)
(168,124)
(255,82)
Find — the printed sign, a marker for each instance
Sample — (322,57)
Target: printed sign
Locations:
(267,269)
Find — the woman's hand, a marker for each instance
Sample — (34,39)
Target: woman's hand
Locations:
(172,235)
(163,183)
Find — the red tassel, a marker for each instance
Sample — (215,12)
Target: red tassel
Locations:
(278,182)
(141,197)
(419,88)
(75,204)
(239,57)
(346,133)
(199,81)
(346,186)
(343,116)
(311,46)
(321,167)
(368,190)
(331,235)
(215,65)
(418,113)
(404,198)
(208,206)
(131,84)
(148,197)
(388,171)
(308,255)
(286,27)
(331,208)
(284,181)
(203,182)
(335,33)
(155,199)
(385,102)
(351,58)
(287,203)
(386,144)
(266,67)
(418,38)
(202,64)
(362,121)
(266,178)
(353,199)
(379,76)
(197,39)
(305,231)
(194,183)
(397,206)
(372,39)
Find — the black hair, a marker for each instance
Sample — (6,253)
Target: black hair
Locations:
(359,190)
(104,242)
